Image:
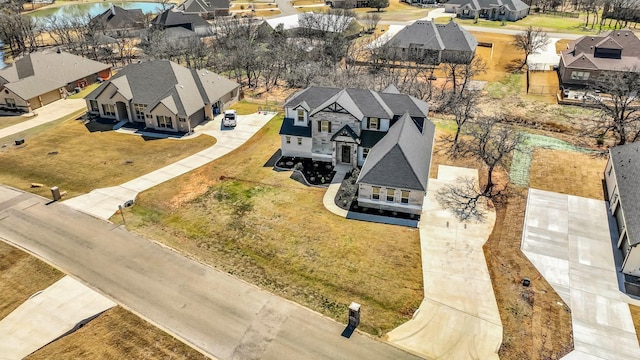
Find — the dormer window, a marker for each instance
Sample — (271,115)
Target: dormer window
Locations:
(300,117)
(373,123)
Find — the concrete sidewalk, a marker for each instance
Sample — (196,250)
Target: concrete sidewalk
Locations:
(48,315)
(459,317)
(213,311)
(568,239)
(329,199)
(45,114)
(103,203)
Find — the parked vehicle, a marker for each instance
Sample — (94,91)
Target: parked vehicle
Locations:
(230,118)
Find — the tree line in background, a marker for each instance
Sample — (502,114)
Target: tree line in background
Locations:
(612,13)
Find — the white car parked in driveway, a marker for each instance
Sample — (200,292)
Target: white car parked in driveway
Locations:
(230,118)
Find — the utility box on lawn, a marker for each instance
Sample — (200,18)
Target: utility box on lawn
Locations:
(55,192)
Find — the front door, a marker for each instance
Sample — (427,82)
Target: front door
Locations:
(346,154)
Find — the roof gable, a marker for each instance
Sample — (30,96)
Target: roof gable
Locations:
(402,158)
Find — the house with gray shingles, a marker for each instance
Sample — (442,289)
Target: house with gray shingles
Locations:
(162,95)
(176,24)
(431,43)
(586,58)
(205,8)
(386,133)
(622,177)
(119,22)
(42,77)
(510,10)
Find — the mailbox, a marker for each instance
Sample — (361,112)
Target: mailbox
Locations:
(354,315)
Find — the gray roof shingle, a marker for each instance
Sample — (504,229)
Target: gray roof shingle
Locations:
(161,81)
(402,159)
(626,164)
(513,5)
(172,17)
(43,71)
(118,18)
(203,6)
(431,36)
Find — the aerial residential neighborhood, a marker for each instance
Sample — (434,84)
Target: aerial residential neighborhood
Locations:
(310,179)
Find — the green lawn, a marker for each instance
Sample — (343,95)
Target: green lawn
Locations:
(84,91)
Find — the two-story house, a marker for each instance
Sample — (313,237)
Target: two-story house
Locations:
(386,133)
(622,176)
(510,10)
(590,56)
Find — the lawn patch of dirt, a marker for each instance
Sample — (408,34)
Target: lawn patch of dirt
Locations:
(79,157)
(256,223)
(117,334)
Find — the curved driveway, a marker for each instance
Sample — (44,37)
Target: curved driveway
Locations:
(104,202)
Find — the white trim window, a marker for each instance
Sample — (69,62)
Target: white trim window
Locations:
(580,75)
(108,110)
(375,193)
(299,141)
(365,152)
(93,104)
(324,126)
(300,117)
(287,139)
(404,196)
(11,102)
(391,193)
(164,121)
(373,123)
(139,111)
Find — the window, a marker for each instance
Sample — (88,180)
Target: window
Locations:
(164,121)
(94,105)
(149,116)
(181,119)
(375,193)
(465,12)
(365,152)
(502,12)
(300,115)
(405,197)
(108,110)
(288,139)
(373,123)
(324,126)
(391,194)
(299,141)
(10,102)
(139,111)
(580,75)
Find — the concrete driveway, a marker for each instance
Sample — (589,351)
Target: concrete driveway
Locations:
(438,13)
(546,58)
(45,114)
(104,202)
(48,315)
(459,317)
(212,311)
(568,239)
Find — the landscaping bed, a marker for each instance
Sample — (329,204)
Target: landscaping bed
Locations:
(314,172)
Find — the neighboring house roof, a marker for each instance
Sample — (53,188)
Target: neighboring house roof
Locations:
(288,128)
(203,6)
(431,36)
(118,18)
(43,71)
(323,22)
(172,17)
(512,5)
(359,102)
(626,164)
(178,32)
(184,91)
(581,52)
(402,158)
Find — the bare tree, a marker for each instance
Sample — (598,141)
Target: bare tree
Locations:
(531,41)
(493,144)
(464,108)
(370,22)
(616,95)
(379,4)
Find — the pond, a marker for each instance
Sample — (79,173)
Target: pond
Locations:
(94,9)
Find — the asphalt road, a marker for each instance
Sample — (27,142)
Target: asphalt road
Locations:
(211,310)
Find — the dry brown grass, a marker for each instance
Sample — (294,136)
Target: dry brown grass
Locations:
(88,156)
(562,45)
(397,11)
(258,224)
(117,334)
(21,275)
(6,121)
(568,173)
(500,61)
(635,314)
